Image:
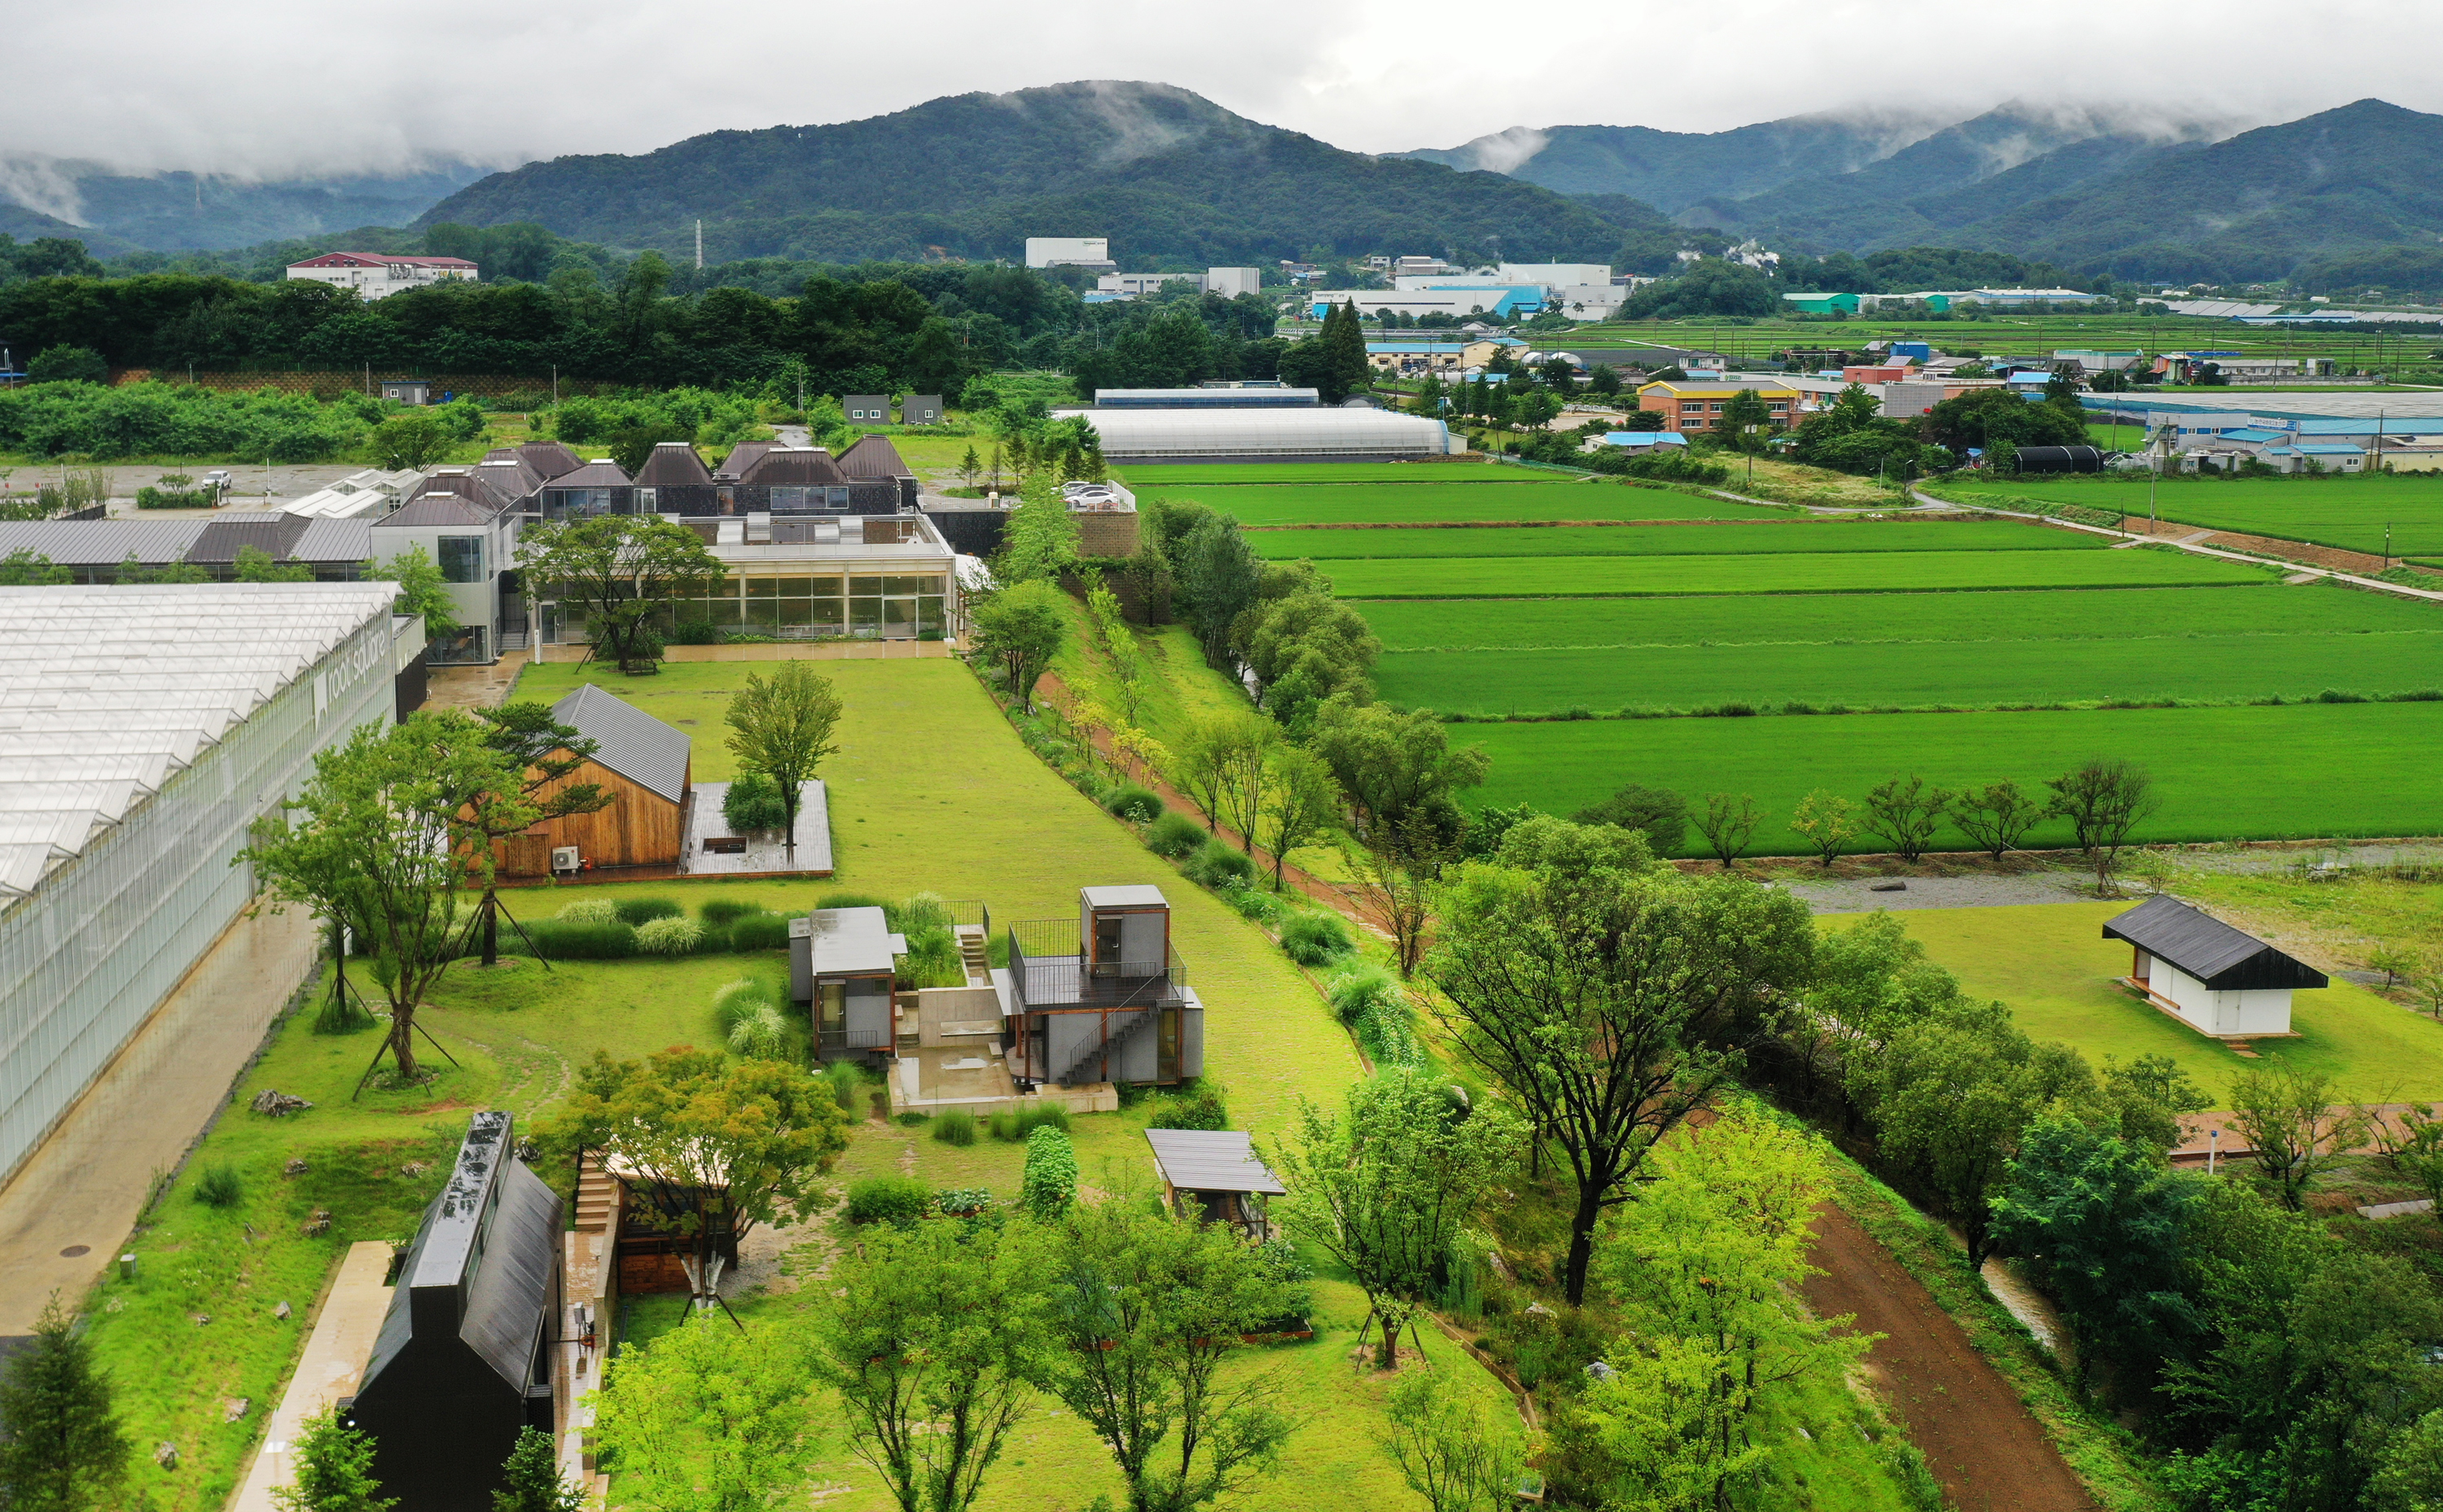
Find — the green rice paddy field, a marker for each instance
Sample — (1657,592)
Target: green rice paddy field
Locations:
(1754,539)
(2349,511)
(1455,470)
(1395,504)
(1777,573)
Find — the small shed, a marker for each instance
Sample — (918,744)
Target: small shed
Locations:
(463,1360)
(643,764)
(2211,976)
(921,410)
(406,391)
(867,408)
(1214,1175)
(843,964)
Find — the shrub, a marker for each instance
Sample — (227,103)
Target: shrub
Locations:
(723,912)
(846,1080)
(889,1199)
(852,899)
(670,937)
(1355,991)
(964,1202)
(1174,835)
(955,1126)
(933,958)
(1389,1038)
(760,932)
(1658,814)
(1198,1105)
(1015,1126)
(1256,903)
(751,1022)
(1049,1184)
(589,911)
(696,632)
(638,912)
(753,803)
(1218,866)
(918,911)
(340,1013)
(217,1186)
(1140,805)
(1316,939)
(561,939)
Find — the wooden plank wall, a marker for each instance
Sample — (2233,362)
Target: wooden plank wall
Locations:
(639,828)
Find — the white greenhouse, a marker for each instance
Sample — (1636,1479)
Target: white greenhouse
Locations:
(1359,435)
(142,730)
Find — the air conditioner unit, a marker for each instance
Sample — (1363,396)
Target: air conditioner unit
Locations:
(564,858)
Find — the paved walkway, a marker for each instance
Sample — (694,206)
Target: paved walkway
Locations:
(346,1325)
(67,1214)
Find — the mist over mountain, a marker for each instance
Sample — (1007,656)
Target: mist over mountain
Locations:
(178,211)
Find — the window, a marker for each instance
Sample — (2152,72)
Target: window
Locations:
(462,558)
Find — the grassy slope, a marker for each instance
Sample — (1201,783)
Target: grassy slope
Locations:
(2052,964)
(2350,512)
(1812,536)
(1861,619)
(1797,573)
(2269,772)
(1425,503)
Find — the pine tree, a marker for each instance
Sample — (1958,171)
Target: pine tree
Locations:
(334,1470)
(60,1445)
(530,1479)
(1344,342)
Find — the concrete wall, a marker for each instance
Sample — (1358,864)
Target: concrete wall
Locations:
(937,1005)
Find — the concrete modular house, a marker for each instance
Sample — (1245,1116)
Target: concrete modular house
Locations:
(1105,999)
(464,1360)
(2206,974)
(843,966)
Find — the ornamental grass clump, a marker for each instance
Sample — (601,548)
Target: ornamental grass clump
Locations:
(670,937)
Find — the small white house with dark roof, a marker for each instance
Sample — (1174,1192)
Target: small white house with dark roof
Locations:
(643,764)
(2211,976)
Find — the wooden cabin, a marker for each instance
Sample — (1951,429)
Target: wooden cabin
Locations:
(643,764)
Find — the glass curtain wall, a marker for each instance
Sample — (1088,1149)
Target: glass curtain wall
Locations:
(891,608)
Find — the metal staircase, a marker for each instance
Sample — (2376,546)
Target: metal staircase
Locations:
(1121,1028)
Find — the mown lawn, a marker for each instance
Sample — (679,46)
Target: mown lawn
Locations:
(2350,512)
(1264,507)
(2050,963)
(1793,573)
(2302,770)
(1861,619)
(1768,538)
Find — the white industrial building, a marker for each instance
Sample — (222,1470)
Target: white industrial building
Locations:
(1227,281)
(1360,433)
(142,731)
(2206,974)
(380,275)
(1093,252)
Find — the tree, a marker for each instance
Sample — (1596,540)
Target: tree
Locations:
(2105,801)
(1828,821)
(1023,627)
(335,1469)
(62,1448)
(422,591)
(1902,813)
(1386,1192)
(2292,1126)
(1996,816)
(2147,1099)
(410,442)
(1201,767)
(26,568)
(255,565)
(780,728)
(933,1351)
(1304,800)
(1707,1266)
(709,1419)
(1607,995)
(1041,541)
(1048,1184)
(624,572)
(1394,766)
(1145,1310)
(713,1147)
(530,1479)
(1400,864)
(1217,583)
(1244,744)
(970,466)
(1729,824)
(1743,409)
(68,364)
(1658,814)
(1447,1450)
(380,844)
(544,755)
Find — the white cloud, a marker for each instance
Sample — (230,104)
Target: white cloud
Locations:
(276,89)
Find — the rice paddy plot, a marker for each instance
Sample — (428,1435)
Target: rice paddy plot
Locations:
(1406,625)
(2348,512)
(1918,674)
(1402,503)
(1176,475)
(2296,771)
(1782,573)
(1762,538)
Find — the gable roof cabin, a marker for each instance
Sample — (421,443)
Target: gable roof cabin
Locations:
(674,481)
(628,741)
(1210,1175)
(741,456)
(642,763)
(873,459)
(550,458)
(463,1360)
(2219,981)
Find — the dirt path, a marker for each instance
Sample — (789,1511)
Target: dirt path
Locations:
(1983,1444)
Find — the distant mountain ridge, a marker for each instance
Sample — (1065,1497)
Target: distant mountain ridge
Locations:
(178,211)
(1161,171)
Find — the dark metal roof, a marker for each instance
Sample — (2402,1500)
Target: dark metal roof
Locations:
(103,543)
(874,457)
(510,1295)
(437,509)
(2208,949)
(508,480)
(674,465)
(227,535)
(629,740)
(593,475)
(1214,1160)
(550,458)
(794,465)
(743,456)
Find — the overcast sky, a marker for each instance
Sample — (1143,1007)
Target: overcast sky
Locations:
(278,87)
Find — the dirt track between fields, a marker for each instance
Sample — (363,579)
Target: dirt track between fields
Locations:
(1980,1440)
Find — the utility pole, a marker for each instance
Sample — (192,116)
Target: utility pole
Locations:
(699,243)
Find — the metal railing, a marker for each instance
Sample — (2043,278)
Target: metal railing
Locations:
(970,912)
(1050,971)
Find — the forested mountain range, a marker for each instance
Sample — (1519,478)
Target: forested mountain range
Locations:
(113,212)
(1167,174)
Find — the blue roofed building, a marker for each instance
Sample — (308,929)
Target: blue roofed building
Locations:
(1635,441)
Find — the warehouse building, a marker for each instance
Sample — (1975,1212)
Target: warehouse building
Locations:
(142,731)
(1358,433)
